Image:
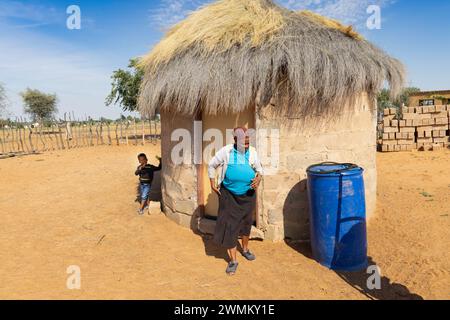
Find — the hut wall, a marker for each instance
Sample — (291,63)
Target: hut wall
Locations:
(349,136)
(178,181)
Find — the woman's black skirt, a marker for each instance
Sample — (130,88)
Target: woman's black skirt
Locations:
(235,217)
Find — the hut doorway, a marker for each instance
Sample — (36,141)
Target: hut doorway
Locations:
(224,123)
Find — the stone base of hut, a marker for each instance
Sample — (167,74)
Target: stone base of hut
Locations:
(349,136)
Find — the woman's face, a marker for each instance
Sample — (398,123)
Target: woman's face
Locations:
(242,140)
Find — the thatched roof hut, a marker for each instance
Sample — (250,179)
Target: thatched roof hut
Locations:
(253,62)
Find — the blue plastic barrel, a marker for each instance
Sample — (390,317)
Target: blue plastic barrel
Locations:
(338,216)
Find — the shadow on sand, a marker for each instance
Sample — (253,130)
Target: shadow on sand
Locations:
(358,280)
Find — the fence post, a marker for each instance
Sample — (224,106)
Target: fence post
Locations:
(30,138)
(56,136)
(126,131)
(109,134)
(2,139)
(117,133)
(20,136)
(156,131)
(91,135)
(102,141)
(41,137)
(143,131)
(135,131)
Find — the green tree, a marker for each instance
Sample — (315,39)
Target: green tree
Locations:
(406,93)
(384,100)
(125,86)
(39,105)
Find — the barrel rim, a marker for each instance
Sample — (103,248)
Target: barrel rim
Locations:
(350,169)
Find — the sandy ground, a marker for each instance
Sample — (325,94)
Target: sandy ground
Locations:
(77,208)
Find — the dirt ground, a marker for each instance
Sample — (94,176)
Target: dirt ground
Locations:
(77,207)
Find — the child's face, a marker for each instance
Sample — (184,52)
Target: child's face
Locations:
(143,161)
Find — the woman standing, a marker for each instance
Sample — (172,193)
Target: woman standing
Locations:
(238,182)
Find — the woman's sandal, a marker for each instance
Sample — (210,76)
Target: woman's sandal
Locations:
(232,267)
(248,255)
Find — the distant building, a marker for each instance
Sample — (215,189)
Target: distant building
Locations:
(429,98)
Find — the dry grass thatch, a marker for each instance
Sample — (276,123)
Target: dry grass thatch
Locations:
(232,54)
(330,23)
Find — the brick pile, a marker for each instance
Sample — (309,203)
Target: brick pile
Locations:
(416,128)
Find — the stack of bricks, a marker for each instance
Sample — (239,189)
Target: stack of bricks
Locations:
(422,128)
(432,133)
(397,135)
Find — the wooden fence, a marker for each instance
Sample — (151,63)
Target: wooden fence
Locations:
(22,137)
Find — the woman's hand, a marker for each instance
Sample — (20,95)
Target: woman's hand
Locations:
(214,188)
(256,182)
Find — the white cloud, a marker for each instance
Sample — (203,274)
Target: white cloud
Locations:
(169,12)
(29,15)
(348,11)
(80,79)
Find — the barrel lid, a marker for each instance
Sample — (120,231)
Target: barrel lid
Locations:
(334,169)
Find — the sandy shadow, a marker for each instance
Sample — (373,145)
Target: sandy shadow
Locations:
(388,290)
(359,280)
(214,250)
(296,214)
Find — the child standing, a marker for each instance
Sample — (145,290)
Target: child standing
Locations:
(145,172)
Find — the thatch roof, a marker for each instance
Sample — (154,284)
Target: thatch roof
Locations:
(232,53)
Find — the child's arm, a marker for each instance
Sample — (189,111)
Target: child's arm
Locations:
(138,171)
(158,168)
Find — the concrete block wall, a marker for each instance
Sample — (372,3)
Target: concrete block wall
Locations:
(345,136)
(348,136)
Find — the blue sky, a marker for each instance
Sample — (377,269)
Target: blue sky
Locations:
(37,50)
